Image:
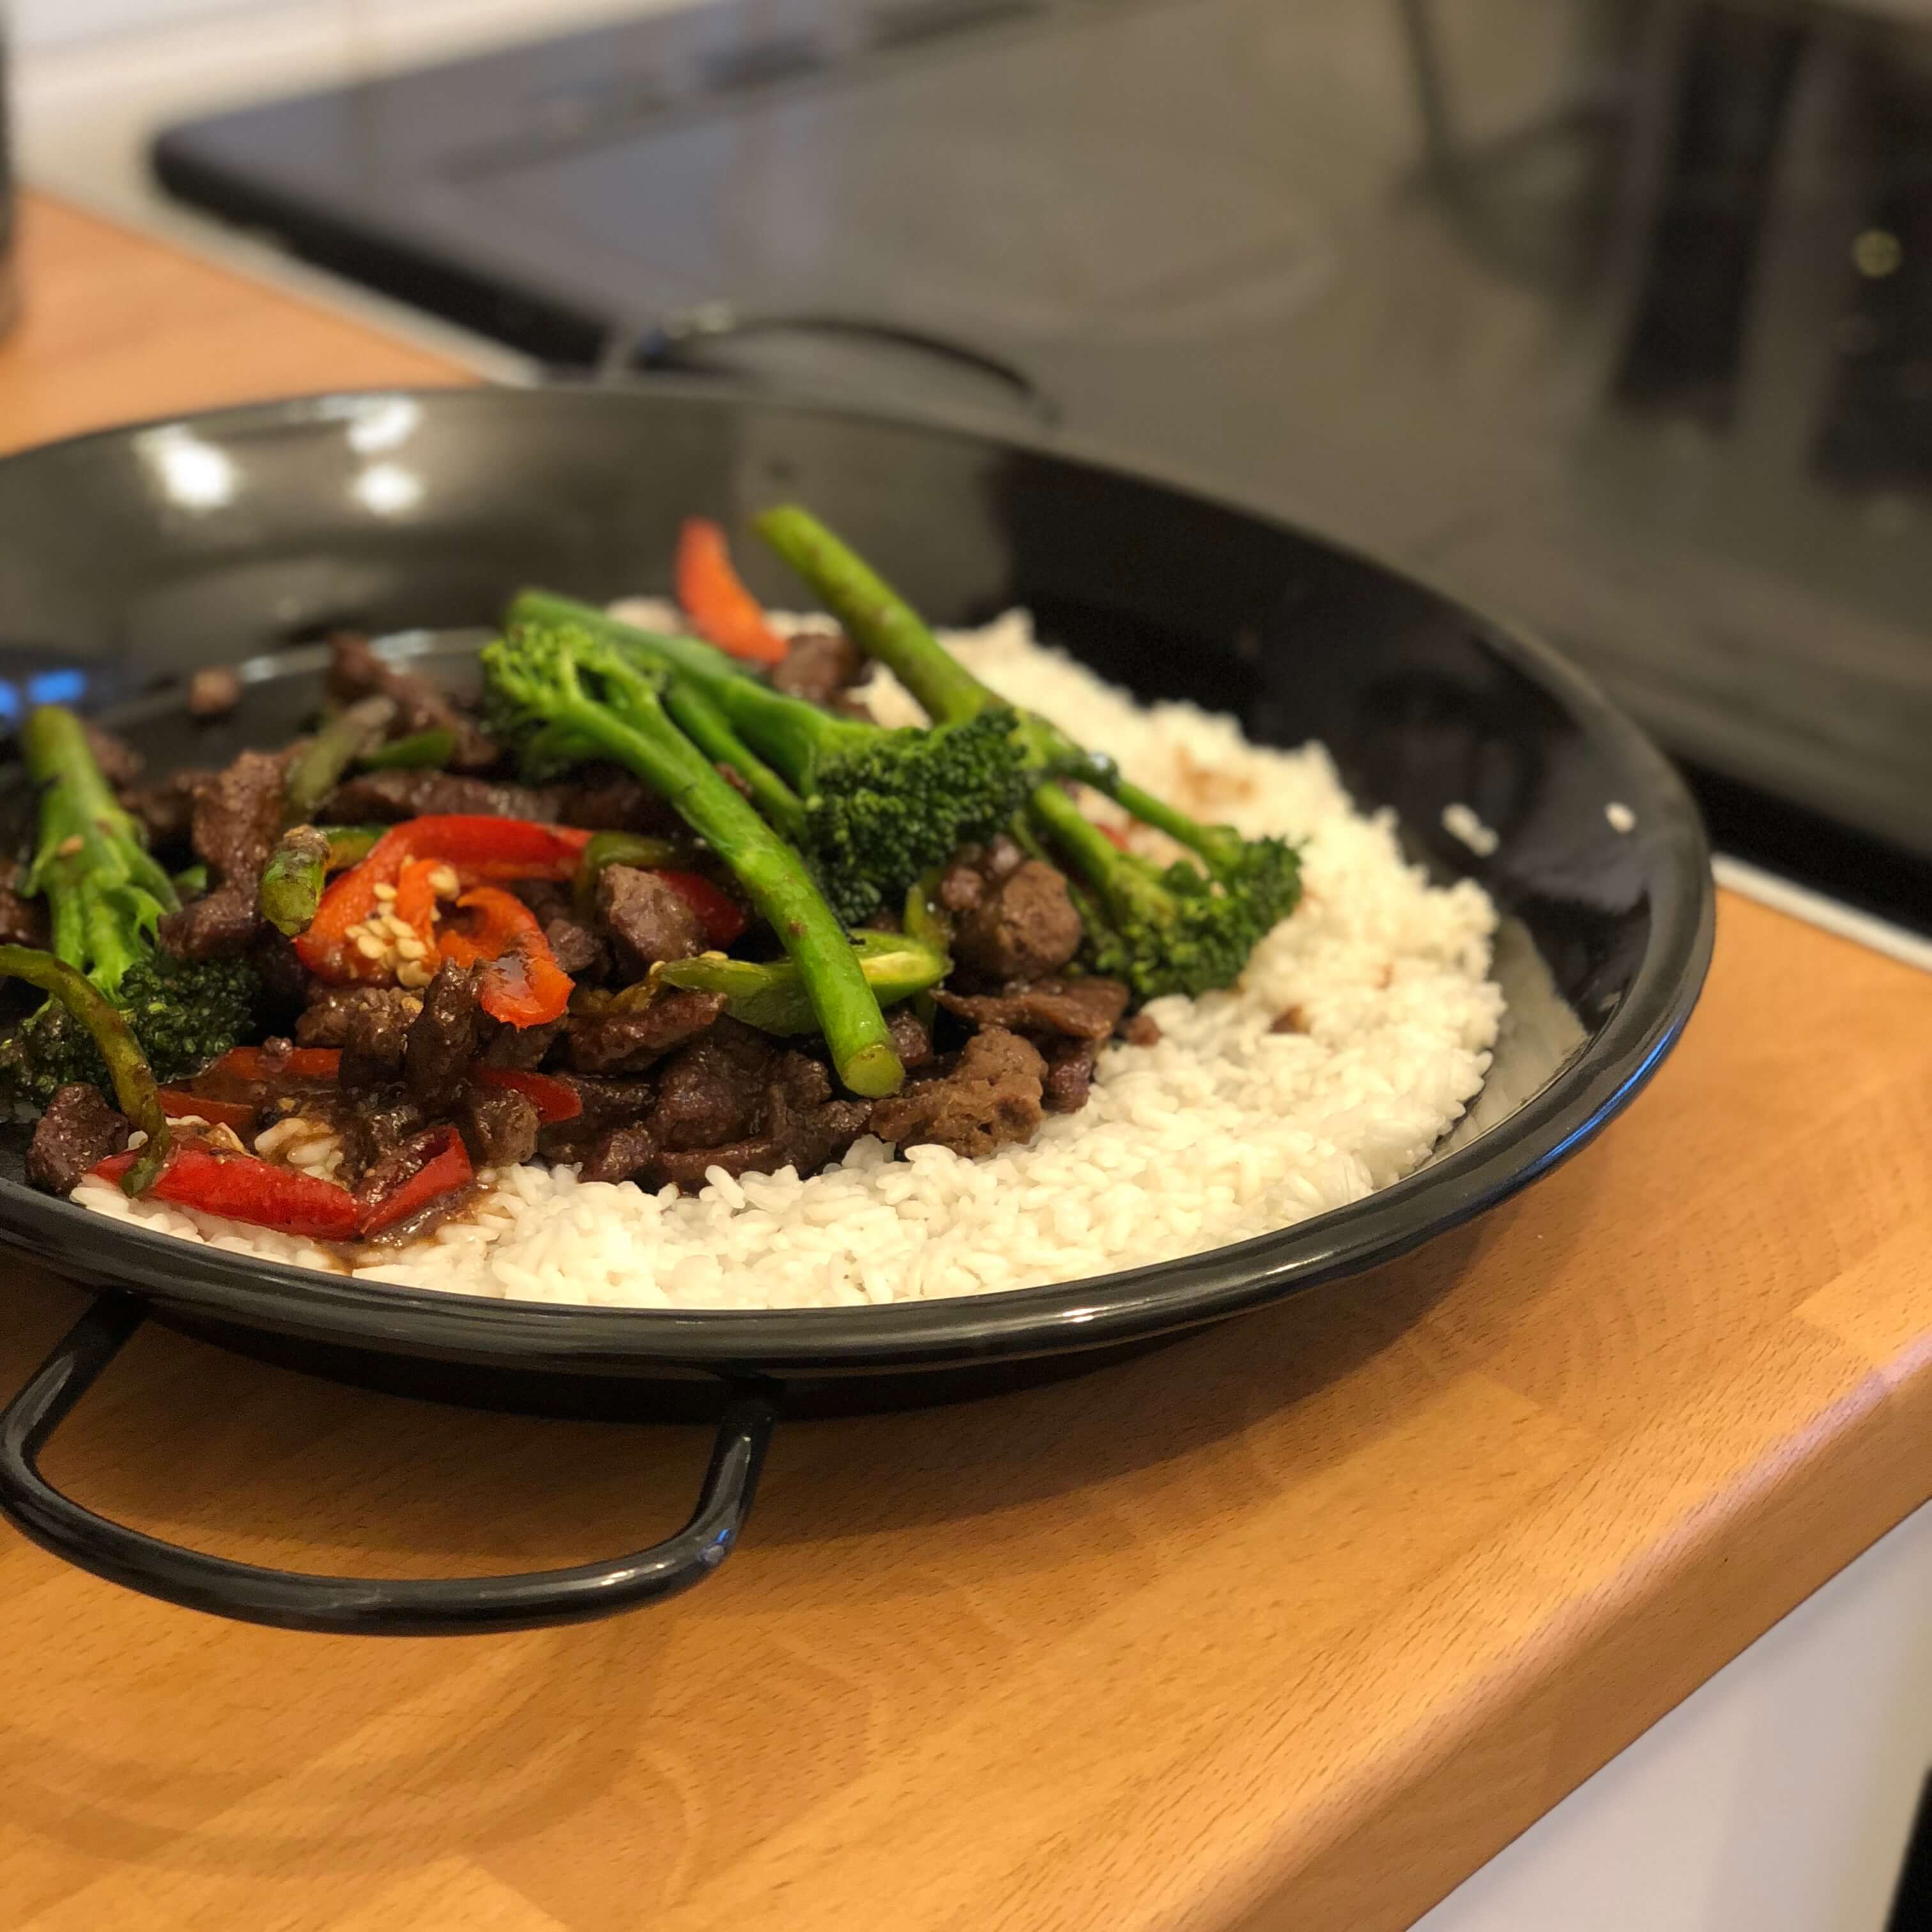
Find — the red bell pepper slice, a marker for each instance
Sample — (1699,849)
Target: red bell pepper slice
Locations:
(242,1188)
(715,599)
(522,984)
(554,1100)
(479,849)
(255,1066)
(178,1103)
(445,1170)
(721,916)
(415,901)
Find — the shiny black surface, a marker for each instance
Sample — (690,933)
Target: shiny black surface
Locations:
(353,1606)
(1615,314)
(236,536)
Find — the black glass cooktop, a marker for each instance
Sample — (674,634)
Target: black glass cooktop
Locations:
(1614,316)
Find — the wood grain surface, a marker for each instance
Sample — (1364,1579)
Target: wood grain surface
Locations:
(1289,1625)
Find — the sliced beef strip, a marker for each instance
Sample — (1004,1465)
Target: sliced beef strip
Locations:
(78,1130)
(608,1102)
(1069,1076)
(647,919)
(401,1159)
(355,670)
(1066,1009)
(608,1105)
(548,899)
(23,922)
(522,1048)
(622,1043)
(620,1153)
(1023,926)
(819,666)
(992,1098)
(372,1022)
(975,869)
(216,925)
(912,1039)
(708,1093)
(498,1127)
(237,816)
(236,820)
(603,798)
(284,978)
(576,949)
(797,1124)
(444,1037)
(383,797)
(165,808)
(380,1132)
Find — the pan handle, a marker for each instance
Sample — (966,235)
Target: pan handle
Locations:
(372,1606)
(672,342)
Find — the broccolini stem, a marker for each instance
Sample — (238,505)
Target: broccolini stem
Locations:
(1094,855)
(878,619)
(770,995)
(1211,842)
(769,870)
(421,750)
(707,727)
(314,771)
(88,846)
(791,732)
(293,879)
(134,1085)
(696,659)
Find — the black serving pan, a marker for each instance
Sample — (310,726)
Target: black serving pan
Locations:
(134,556)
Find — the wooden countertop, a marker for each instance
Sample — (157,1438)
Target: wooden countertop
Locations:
(1289,1625)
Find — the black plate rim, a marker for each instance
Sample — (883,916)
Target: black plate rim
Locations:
(1579,1101)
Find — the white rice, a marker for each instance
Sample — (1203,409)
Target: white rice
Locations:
(1225,1130)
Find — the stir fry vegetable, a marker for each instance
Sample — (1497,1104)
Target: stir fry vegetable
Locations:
(378,921)
(113,1040)
(873,808)
(562,695)
(298,867)
(716,602)
(313,772)
(106,896)
(1188,927)
(242,1188)
(770,995)
(522,985)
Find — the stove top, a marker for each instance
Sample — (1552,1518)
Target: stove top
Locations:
(1615,316)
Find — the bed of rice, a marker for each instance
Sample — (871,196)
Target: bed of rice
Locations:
(1226,1129)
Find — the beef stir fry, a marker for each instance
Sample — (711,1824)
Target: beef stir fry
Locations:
(655,906)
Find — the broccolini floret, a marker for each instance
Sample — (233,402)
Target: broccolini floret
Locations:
(873,808)
(1187,928)
(105,898)
(562,695)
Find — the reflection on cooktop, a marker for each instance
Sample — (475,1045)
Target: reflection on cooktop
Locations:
(1616,314)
